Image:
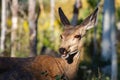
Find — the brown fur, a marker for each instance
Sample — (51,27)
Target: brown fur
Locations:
(38,68)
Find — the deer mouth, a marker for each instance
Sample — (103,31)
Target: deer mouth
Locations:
(67,55)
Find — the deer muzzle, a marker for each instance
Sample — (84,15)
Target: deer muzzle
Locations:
(65,54)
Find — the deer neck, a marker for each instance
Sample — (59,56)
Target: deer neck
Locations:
(70,69)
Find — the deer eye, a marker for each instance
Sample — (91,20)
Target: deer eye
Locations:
(78,36)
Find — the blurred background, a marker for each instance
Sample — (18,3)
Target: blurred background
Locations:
(32,27)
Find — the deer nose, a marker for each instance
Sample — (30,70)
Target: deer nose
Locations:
(62,50)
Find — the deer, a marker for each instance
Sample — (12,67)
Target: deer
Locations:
(44,67)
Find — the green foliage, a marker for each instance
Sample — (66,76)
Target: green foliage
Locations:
(47,36)
(87,72)
(93,3)
(22,41)
(118,13)
(46,4)
(58,77)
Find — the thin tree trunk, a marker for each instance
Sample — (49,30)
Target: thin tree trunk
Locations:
(3,26)
(109,40)
(77,6)
(113,42)
(14,26)
(52,3)
(33,28)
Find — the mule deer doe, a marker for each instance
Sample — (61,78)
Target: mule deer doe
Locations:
(46,67)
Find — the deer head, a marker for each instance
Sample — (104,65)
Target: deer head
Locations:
(71,36)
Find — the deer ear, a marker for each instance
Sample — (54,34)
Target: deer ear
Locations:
(63,18)
(91,20)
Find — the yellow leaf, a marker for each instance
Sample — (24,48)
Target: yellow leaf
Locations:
(25,26)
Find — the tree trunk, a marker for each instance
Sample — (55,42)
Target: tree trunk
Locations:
(77,6)
(113,42)
(108,40)
(33,28)
(3,26)
(52,3)
(14,26)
